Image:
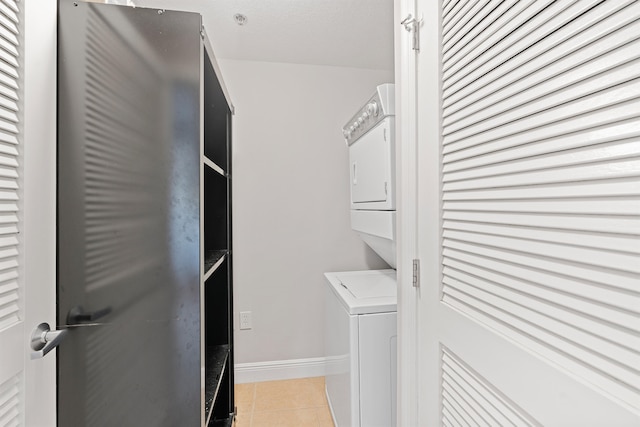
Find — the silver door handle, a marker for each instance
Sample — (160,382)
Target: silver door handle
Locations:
(78,315)
(43,340)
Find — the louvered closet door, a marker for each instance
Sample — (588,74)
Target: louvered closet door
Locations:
(27,208)
(529,182)
(12,323)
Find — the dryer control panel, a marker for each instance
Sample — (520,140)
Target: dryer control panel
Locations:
(377,108)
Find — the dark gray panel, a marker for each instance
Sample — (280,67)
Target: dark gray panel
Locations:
(129,216)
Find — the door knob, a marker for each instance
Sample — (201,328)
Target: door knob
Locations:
(43,340)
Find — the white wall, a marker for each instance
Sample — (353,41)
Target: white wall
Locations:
(291,200)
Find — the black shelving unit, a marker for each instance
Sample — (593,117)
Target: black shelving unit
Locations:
(217,279)
(144,171)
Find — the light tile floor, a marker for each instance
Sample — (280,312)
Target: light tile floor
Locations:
(296,403)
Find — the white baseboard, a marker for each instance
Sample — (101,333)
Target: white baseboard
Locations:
(279,370)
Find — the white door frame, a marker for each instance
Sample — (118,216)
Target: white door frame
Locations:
(406,167)
(39,202)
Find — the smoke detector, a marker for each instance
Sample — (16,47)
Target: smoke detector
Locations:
(240,18)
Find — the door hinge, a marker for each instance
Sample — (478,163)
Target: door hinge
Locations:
(412,25)
(416,273)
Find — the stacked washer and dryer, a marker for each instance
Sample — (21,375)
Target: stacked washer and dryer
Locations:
(361,336)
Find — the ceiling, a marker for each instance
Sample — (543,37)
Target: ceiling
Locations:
(346,33)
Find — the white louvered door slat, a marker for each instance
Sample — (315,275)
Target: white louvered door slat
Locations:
(535,138)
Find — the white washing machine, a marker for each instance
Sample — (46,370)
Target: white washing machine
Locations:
(361,343)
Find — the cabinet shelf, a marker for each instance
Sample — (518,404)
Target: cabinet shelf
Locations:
(216,360)
(212,260)
(213,166)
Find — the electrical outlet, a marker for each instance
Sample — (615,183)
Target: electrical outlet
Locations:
(245,320)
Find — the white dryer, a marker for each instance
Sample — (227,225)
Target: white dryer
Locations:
(370,138)
(361,343)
